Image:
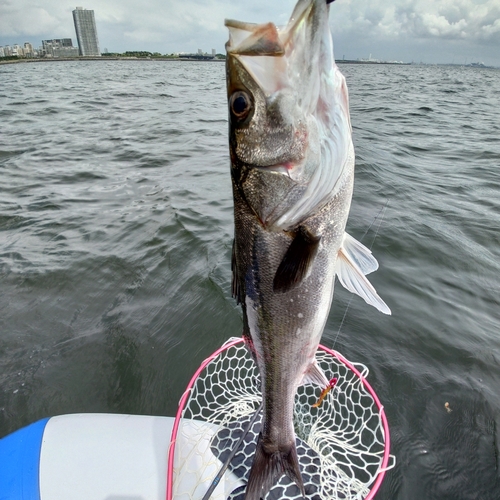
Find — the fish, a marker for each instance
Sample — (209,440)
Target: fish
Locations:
(292,173)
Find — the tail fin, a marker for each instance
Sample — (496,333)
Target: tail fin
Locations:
(267,468)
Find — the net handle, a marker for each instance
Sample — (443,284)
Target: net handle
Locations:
(235,341)
(171,450)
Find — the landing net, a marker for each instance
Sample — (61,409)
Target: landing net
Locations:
(343,445)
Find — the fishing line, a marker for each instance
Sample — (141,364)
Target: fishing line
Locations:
(224,467)
(381,211)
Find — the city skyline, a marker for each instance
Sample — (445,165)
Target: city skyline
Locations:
(56,50)
(440,31)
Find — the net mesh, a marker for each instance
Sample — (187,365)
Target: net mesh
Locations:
(341,444)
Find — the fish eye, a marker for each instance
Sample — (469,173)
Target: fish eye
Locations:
(240,105)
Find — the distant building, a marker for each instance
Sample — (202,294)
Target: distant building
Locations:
(86,32)
(17,50)
(2,52)
(58,42)
(52,48)
(59,47)
(29,51)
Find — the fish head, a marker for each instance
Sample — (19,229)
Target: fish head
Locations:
(289,129)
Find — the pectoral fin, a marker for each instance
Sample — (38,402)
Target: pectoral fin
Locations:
(359,254)
(297,261)
(352,277)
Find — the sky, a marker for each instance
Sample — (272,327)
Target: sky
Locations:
(429,31)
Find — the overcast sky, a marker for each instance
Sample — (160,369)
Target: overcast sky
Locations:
(430,31)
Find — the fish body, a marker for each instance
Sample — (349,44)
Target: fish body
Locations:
(292,170)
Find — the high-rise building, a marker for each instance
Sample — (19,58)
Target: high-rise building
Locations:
(86,32)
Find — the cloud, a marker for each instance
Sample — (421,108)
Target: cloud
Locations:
(474,20)
(28,19)
(459,19)
(181,25)
(16,21)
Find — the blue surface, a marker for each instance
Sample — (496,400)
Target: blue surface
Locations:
(20,462)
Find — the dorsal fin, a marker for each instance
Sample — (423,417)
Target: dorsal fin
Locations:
(297,261)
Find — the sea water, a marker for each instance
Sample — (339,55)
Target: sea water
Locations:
(116,228)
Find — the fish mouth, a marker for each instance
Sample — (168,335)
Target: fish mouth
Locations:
(267,39)
(269,53)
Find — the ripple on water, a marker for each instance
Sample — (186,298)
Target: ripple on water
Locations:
(116,223)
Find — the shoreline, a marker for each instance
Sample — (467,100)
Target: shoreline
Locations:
(169,59)
(59,59)
(192,59)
